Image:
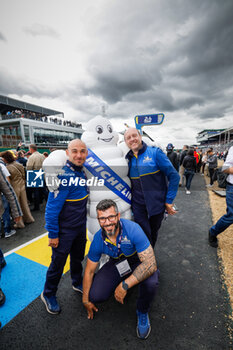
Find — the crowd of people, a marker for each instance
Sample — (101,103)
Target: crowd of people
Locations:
(191,160)
(155,178)
(19,113)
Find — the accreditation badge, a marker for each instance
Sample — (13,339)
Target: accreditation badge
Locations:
(123,268)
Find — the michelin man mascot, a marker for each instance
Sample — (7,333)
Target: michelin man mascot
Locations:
(106,161)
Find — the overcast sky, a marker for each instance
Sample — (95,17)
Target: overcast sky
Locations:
(132,56)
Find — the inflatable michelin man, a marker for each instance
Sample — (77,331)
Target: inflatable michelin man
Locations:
(101,141)
(104,158)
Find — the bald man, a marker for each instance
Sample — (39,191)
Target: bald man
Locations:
(65,218)
(154,183)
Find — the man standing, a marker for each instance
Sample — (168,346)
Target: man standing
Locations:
(172,156)
(212,161)
(149,172)
(16,213)
(226,220)
(181,169)
(65,217)
(35,162)
(132,262)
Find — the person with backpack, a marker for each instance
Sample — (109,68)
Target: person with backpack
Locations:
(212,164)
(172,156)
(190,166)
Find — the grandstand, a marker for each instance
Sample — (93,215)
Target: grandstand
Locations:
(27,123)
(219,139)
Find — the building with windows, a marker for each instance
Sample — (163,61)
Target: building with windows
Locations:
(20,121)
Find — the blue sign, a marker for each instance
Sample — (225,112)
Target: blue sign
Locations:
(35,178)
(148,119)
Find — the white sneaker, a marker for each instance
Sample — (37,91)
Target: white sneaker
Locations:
(209,185)
(9,234)
(188,192)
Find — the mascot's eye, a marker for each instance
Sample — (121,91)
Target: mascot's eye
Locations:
(109,128)
(99,129)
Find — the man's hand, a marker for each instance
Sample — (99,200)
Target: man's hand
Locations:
(120,293)
(90,307)
(169,208)
(17,219)
(53,242)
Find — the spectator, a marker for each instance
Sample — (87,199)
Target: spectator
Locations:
(172,156)
(200,161)
(21,159)
(35,163)
(226,220)
(16,212)
(212,161)
(17,173)
(181,170)
(204,161)
(190,166)
(6,218)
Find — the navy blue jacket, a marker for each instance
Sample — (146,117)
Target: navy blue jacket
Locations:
(154,180)
(66,210)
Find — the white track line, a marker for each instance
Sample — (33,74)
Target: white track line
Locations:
(25,244)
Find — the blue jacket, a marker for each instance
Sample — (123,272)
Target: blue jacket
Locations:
(154,180)
(66,210)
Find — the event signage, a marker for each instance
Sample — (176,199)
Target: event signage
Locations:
(148,119)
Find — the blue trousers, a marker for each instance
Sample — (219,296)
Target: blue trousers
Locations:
(189,176)
(226,220)
(6,215)
(72,243)
(150,225)
(108,278)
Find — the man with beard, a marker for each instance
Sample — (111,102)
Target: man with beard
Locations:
(132,262)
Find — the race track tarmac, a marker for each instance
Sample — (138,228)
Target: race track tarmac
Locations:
(190,310)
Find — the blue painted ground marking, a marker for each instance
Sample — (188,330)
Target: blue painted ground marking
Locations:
(22,281)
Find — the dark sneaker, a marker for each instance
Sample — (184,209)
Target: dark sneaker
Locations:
(78,288)
(2,297)
(143,327)
(213,242)
(51,304)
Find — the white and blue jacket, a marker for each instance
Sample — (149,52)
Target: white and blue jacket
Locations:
(154,180)
(66,211)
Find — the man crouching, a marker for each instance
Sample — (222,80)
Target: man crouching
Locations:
(132,262)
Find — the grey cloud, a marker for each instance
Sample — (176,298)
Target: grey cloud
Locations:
(37,29)
(23,86)
(194,63)
(115,80)
(2,37)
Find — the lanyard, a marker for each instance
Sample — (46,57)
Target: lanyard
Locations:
(109,245)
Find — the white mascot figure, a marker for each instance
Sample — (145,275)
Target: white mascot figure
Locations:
(101,141)
(100,138)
